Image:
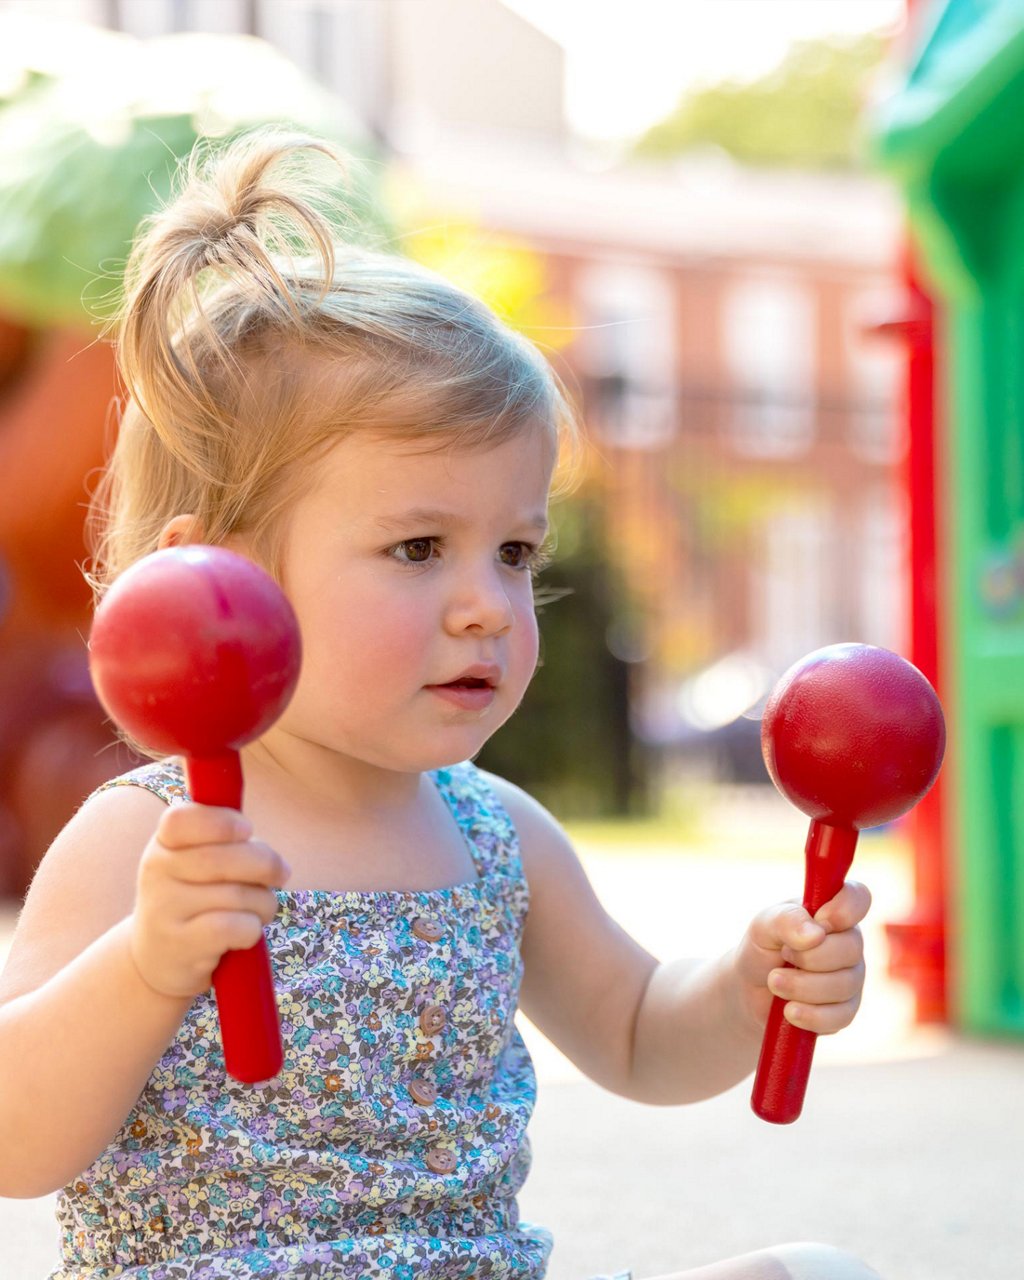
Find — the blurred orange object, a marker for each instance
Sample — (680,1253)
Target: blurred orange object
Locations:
(56,396)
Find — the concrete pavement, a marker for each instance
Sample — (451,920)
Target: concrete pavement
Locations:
(908,1153)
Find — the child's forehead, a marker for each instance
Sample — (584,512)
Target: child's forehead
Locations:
(394,489)
(375,470)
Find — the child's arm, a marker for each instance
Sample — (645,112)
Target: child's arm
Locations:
(683,1030)
(109,952)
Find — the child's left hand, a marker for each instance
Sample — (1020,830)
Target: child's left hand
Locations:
(824,988)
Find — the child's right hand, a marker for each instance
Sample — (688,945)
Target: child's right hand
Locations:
(204,887)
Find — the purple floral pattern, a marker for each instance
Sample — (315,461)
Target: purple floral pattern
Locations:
(334,1169)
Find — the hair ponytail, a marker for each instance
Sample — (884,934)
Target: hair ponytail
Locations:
(227,225)
(252,335)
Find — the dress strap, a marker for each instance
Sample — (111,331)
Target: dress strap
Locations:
(165,778)
(483,819)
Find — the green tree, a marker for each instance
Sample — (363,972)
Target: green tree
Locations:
(91,149)
(570,743)
(804,114)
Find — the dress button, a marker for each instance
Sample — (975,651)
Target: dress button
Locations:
(432,1019)
(422,1091)
(441,1160)
(428,930)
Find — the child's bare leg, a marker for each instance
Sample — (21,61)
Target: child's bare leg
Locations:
(784,1262)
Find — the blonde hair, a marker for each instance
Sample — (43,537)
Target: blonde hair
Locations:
(251,337)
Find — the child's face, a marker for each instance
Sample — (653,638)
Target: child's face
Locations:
(408,570)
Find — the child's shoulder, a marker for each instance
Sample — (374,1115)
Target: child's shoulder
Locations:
(103,841)
(84,885)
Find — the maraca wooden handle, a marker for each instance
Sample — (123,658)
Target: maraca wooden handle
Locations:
(243,982)
(250,1027)
(784,1067)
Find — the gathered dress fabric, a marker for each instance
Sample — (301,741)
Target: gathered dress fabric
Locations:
(393,1141)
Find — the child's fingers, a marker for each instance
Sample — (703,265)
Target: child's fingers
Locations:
(835,987)
(195,901)
(251,862)
(786,924)
(846,909)
(837,951)
(202,845)
(220,931)
(822,1019)
(182,826)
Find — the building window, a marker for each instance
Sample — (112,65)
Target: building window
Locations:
(794,575)
(625,353)
(770,352)
(883,587)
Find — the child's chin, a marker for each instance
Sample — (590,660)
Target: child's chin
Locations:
(444,755)
(445,760)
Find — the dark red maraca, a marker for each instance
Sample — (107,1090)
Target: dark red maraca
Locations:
(853,735)
(195,651)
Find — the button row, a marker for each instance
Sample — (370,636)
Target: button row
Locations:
(432,1019)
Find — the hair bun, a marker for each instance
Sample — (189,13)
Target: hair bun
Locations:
(242,211)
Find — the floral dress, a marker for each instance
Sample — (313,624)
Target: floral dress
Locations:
(393,1141)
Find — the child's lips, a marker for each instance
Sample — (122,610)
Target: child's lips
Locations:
(469,694)
(480,673)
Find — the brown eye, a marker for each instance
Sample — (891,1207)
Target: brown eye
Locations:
(514,554)
(417,550)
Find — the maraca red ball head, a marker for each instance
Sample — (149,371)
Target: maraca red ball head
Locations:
(854,736)
(195,651)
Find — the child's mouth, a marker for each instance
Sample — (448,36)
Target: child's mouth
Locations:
(469,692)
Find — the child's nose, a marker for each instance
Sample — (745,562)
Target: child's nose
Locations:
(480,601)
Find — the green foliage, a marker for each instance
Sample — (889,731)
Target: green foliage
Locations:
(804,114)
(87,153)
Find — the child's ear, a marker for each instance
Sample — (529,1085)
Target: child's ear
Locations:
(181,531)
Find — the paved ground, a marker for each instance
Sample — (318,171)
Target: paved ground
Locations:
(909,1150)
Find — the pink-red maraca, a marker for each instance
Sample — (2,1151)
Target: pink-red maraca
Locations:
(853,735)
(195,651)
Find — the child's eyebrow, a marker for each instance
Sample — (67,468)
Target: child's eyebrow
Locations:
(433,516)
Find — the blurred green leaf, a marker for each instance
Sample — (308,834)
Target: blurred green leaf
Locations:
(88,148)
(806,113)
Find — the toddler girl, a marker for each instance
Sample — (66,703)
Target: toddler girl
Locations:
(385,447)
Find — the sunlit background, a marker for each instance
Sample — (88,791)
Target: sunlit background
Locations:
(681,218)
(677,201)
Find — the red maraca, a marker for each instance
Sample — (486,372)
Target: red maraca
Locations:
(852,735)
(195,651)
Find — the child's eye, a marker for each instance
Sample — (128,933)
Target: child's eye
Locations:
(414,550)
(514,554)
(524,555)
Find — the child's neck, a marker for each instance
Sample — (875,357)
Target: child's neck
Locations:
(352,826)
(326,782)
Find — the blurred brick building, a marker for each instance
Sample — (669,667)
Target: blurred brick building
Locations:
(748,419)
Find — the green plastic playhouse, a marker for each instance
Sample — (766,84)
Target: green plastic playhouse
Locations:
(953,138)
